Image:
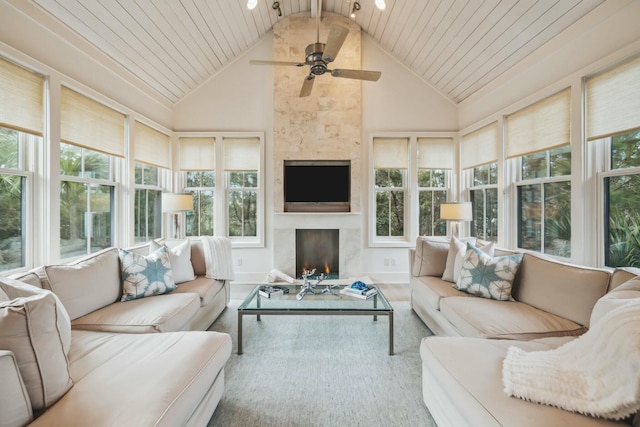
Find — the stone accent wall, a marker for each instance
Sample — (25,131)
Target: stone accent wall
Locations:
(327,125)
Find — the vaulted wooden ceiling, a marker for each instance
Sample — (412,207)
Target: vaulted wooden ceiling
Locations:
(456,46)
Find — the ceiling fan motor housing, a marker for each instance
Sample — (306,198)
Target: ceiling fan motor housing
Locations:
(314,58)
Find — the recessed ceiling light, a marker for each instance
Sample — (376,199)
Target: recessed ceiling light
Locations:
(251,4)
(380,4)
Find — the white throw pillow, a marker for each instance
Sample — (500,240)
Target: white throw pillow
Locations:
(29,328)
(456,248)
(145,276)
(180,258)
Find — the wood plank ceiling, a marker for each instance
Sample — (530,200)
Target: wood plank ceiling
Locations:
(457,46)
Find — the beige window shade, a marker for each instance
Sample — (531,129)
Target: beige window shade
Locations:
(541,126)
(390,153)
(197,154)
(151,146)
(613,101)
(21,92)
(241,154)
(480,147)
(435,153)
(89,124)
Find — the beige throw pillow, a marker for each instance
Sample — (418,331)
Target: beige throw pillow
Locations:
(29,328)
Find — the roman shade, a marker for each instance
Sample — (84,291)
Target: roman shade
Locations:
(480,147)
(613,101)
(390,153)
(241,154)
(22,92)
(540,126)
(151,147)
(90,124)
(197,154)
(435,153)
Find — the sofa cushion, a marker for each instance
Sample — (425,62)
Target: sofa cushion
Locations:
(145,275)
(431,256)
(621,275)
(197,257)
(202,286)
(139,379)
(432,289)
(15,405)
(11,289)
(30,278)
(88,284)
(29,329)
(466,375)
(180,258)
(486,276)
(487,318)
(567,290)
(164,313)
(615,298)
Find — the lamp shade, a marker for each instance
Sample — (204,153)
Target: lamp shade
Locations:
(177,202)
(458,211)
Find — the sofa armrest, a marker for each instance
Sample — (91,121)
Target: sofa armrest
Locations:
(15,405)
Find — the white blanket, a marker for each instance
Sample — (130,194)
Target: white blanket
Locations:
(596,374)
(217,256)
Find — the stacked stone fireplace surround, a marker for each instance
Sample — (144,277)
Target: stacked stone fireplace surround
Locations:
(327,125)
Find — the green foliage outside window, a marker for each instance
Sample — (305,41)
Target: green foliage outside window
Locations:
(243,203)
(390,194)
(432,192)
(199,221)
(622,246)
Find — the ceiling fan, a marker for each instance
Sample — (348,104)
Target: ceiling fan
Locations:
(319,55)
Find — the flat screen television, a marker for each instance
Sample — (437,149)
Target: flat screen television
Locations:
(317,185)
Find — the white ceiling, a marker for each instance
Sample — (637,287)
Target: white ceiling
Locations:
(457,46)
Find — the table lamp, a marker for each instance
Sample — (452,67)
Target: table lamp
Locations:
(456,212)
(176,204)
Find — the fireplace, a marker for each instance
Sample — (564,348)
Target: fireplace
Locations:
(319,249)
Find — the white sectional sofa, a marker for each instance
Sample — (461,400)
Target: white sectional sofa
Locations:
(86,358)
(462,367)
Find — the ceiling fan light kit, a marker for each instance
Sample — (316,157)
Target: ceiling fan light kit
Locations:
(355,9)
(319,55)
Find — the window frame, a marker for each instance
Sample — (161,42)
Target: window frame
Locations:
(412,195)
(470,187)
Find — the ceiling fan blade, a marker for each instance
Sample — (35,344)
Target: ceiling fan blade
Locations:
(307,85)
(337,36)
(263,62)
(372,76)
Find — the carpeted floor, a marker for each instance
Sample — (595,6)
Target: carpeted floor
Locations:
(323,371)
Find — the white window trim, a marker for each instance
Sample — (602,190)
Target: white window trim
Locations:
(411,201)
(220,199)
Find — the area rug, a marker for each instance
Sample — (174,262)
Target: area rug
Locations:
(323,371)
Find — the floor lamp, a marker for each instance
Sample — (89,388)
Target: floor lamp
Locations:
(455,213)
(176,204)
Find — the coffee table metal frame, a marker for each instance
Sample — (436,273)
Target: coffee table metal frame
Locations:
(374,306)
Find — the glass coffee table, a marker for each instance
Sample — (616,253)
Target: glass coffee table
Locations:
(317,303)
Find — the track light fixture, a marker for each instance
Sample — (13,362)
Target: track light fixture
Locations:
(355,9)
(276,6)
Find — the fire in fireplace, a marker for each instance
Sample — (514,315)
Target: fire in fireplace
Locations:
(319,249)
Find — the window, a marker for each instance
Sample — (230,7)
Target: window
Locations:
(197,160)
(544,202)
(86,201)
(152,152)
(434,163)
(200,221)
(391,157)
(21,129)
(480,171)
(242,165)
(483,194)
(613,129)
(538,139)
(147,209)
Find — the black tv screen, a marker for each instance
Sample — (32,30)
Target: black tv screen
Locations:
(314,182)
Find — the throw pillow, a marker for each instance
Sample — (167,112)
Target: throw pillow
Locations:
(487,248)
(455,246)
(486,276)
(29,329)
(431,256)
(180,258)
(144,276)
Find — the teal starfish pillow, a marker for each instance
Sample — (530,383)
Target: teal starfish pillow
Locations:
(486,276)
(144,276)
